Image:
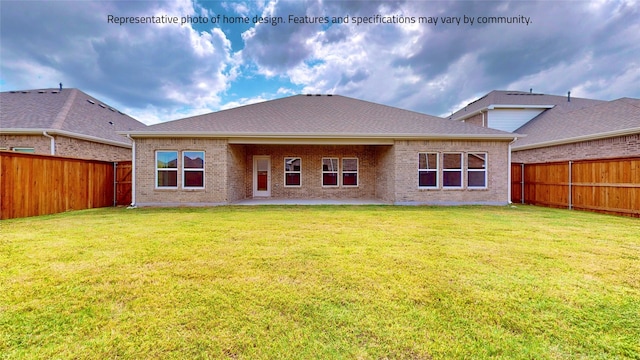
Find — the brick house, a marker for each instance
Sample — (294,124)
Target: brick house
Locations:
(319,147)
(559,128)
(65,122)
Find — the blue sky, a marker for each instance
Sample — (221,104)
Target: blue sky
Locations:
(160,72)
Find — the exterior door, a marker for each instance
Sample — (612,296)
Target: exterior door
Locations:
(261,176)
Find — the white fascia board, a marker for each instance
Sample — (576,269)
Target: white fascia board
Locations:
(466,116)
(576,139)
(515,106)
(308,138)
(18,131)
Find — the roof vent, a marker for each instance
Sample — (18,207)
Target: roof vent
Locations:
(90,101)
(329,94)
(309,95)
(110,122)
(102,106)
(25,92)
(318,94)
(112,109)
(41,91)
(55,92)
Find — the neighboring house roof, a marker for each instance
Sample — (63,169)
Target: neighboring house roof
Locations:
(605,119)
(68,112)
(319,116)
(521,99)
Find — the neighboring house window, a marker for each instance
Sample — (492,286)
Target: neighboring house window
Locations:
(452,170)
(292,172)
(349,172)
(193,169)
(166,169)
(330,172)
(24,150)
(477,170)
(428,170)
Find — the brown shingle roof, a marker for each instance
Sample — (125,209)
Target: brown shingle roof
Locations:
(506,97)
(608,118)
(317,116)
(70,111)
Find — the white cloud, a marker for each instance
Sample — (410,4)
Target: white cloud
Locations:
(162,71)
(244,101)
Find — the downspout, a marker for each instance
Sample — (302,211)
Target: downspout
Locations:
(133,171)
(53,142)
(509,172)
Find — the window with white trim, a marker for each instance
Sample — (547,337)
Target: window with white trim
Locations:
(452,170)
(428,170)
(193,169)
(292,172)
(477,170)
(167,169)
(329,171)
(349,171)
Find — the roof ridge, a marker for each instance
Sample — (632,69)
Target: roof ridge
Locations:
(625,100)
(62,115)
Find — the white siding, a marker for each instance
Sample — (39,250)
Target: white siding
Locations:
(511,119)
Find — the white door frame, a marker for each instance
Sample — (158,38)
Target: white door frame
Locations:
(256,192)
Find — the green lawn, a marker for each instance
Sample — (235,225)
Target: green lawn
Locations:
(325,282)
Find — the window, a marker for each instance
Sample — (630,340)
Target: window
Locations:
(24,150)
(292,172)
(350,172)
(452,170)
(477,170)
(330,172)
(166,169)
(428,170)
(193,169)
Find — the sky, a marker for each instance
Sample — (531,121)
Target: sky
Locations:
(425,56)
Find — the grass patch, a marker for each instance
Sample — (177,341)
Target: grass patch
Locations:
(300,282)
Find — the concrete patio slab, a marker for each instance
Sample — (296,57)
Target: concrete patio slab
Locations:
(265,201)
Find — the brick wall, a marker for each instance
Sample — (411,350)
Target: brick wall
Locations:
(621,146)
(215,178)
(385,174)
(68,147)
(236,158)
(39,143)
(311,166)
(406,170)
(71,147)
(475,120)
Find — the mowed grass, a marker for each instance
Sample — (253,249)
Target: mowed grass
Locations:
(321,282)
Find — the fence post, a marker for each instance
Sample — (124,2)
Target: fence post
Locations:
(522,183)
(570,186)
(115,183)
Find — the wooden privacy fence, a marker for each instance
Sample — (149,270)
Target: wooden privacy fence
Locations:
(33,185)
(123,182)
(604,185)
